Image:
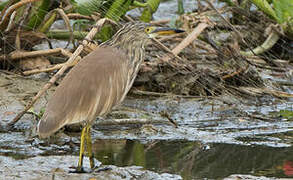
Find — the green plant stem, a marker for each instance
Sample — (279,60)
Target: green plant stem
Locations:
(152,6)
(268,44)
(65,35)
(48,23)
(38,17)
(180,7)
(139,4)
(264,6)
(118,9)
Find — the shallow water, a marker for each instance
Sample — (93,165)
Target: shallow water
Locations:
(213,140)
(216,137)
(196,160)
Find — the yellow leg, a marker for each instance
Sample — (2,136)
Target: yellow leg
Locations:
(89,146)
(81,151)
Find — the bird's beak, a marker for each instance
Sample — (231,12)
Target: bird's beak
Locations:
(164,31)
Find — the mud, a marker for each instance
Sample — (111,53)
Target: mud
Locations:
(215,138)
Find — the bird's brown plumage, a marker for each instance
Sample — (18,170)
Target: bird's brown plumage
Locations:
(89,90)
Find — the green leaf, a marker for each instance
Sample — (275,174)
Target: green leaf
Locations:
(284,14)
(88,7)
(265,7)
(38,16)
(118,9)
(286,114)
(152,6)
(284,10)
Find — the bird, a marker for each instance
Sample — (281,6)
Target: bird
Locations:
(98,83)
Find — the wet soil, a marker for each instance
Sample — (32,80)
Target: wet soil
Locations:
(215,138)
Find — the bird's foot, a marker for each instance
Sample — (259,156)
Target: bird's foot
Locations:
(102,169)
(80,170)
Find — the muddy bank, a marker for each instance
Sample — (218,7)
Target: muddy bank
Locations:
(56,167)
(211,133)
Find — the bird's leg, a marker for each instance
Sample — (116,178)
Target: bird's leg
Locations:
(89,146)
(79,167)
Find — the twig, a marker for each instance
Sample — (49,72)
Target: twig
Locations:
(279,94)
(148,93)
(261,91)
(166,115)
(55,67)
(90,35)
(15,55)
(171,63)
(6,7)
(240,70)
(10,10)
(11,20)
(66,20)
(166,49)
(129,18)
(191,37)
(285,83)
(78,16)
(260,117)
(130,121)
(268,44)
(160,22)
(23,19)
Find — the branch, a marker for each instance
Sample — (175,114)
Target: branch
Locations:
(10,10)
(268,44)
(191,37)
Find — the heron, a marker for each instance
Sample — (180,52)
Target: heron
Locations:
(98,83)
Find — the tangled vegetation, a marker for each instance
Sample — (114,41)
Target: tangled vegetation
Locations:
(227,49)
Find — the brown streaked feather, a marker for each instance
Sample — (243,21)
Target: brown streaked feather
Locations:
(87,91)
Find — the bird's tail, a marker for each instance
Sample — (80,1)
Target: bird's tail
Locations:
(48,125)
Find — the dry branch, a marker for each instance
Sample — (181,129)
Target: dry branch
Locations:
(78,16)
(261,91)
(159,22)
(55,67)
(130,121)
(268,44)
(89,36)
(167,49)
(191,37)
(67,23)
(15,55)
(10,10)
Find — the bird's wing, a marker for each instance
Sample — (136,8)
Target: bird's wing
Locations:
(90,89)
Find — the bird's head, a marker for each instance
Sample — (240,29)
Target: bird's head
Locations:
(136,34)
(138,31)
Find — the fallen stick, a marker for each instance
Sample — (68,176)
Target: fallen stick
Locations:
(20,54)
(191,37)
(130,121)
(55,67)
(78,16)
(76,53)
(7,14)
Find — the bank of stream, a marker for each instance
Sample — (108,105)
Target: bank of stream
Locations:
(214,138)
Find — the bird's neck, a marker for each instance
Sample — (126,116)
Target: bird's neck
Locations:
(133,49)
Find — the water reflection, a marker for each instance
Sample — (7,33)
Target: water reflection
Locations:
(194,160)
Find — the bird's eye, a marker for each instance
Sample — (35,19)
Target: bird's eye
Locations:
(147,29)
